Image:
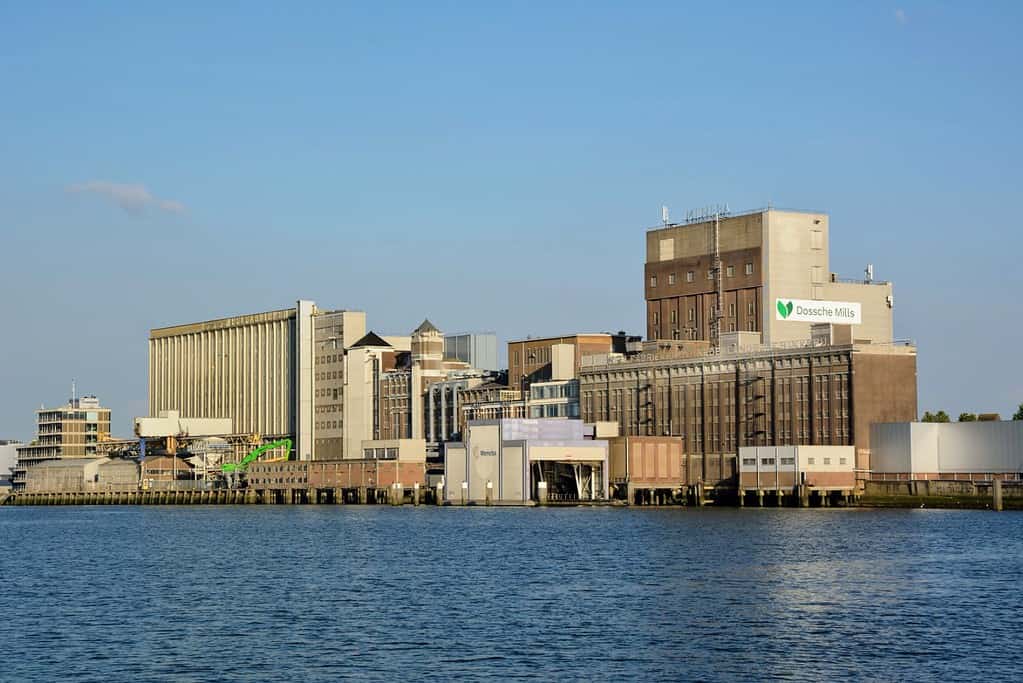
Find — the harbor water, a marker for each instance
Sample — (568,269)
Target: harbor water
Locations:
(326,593)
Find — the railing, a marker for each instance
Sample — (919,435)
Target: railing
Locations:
(857,281)
(760,351)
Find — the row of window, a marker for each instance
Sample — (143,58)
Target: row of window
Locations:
(752,462)
(673,317)
(691,275)
(691,332)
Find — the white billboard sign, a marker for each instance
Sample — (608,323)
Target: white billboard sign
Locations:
(803,311)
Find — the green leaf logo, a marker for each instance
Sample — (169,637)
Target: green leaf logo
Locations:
(784,309)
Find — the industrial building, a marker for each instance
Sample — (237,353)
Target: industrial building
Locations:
(719,272)
(516,461)
(768,396)
(972,451)
(75,474)
(266,372)
(316,377)
(73,430)
(532,360)
(822,473)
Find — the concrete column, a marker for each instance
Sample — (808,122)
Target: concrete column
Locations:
(804,496)
(439,494)
(431,431)
(996,494)
(490,493)
(760,497)
(443,414)
(465,492)
(630,494)
(742,497)
(362,495)
(415,494)
(455,415)
(541,492)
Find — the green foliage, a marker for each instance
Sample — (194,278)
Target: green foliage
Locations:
(967,417)
(940,416)
(1019,413)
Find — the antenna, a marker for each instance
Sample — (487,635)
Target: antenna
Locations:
(869,272)
(74,390)
(715,323)
(664,216)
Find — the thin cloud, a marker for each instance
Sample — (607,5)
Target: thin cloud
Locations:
(133,198)
(900,16)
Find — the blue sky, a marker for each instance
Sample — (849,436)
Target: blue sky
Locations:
(491,167)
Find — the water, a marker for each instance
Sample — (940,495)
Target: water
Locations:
(327,593)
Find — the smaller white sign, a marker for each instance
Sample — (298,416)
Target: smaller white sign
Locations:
(803,311)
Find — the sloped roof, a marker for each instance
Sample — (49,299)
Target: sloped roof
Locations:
(426,326)
(371,339)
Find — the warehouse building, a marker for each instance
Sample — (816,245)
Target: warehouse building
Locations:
(809,394)
(972,451)
(72,475)
(824,473)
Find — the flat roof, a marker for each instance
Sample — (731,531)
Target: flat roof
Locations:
(704,219)
(563,336)
(222,323)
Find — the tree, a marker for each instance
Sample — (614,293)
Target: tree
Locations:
(940,416)
(967,417)
(1019,413)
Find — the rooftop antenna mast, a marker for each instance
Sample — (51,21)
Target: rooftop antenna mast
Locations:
(715,322)
(664,216)
(74,391)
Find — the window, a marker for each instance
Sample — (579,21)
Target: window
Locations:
(841,461)
(657,318)
(653,280)
(749,268)
(674,316)
(692,314)
(788,461)
(731,310)
(810,461)
(827,461)
(730,271)
(690,276)
(767,461)
(749,309)
(671,278)
(749,462)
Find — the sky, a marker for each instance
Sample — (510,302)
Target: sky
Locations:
(491,166)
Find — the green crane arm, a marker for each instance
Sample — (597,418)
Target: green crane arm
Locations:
(256,452)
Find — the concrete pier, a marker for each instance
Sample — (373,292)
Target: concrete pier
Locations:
(996,495)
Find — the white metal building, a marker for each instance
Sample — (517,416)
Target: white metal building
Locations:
(950,450)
